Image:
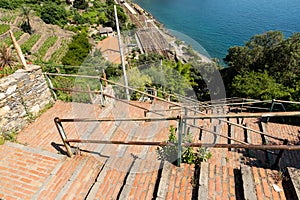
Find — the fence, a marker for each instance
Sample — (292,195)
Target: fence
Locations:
(180,144)
(197,110)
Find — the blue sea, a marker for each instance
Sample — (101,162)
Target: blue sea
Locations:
(217,25)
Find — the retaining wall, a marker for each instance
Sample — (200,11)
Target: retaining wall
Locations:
(22,95)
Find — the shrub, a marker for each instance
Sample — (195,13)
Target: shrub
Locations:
(189,156)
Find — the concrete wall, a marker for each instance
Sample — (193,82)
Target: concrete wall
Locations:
(22,95)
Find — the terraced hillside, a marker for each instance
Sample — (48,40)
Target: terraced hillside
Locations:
(47,43)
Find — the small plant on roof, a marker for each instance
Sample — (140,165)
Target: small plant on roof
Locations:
(169,152)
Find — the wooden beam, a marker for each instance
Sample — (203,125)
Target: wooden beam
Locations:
(19,51)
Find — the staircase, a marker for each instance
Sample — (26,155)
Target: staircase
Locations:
(38,169)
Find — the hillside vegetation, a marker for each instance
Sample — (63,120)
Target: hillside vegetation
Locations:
(267,67)
(55,33)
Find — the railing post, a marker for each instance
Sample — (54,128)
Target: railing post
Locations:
(194,121)
(51,86)
(271,109)
(185,122)
(101,94)
(63,136)
(104,78)
(180,123)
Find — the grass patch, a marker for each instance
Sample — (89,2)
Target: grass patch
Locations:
(26,46)
(59,53)
(47,44)
(9,136)
(31,117)
(17,35)
(4,28)
(5,71)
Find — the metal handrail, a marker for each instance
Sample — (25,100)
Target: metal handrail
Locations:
(181,119)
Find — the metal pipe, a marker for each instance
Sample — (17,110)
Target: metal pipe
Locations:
(247,115)
(251,115)
(110,119)
(218,134)
(253,130)
(203,102)
(51,86)
(121,54)
(180,123)
(217,145)
(132,89)
(63,136)
(107,95)
(282,101)
(277,161)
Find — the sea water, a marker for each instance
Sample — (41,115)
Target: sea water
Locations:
(217,25)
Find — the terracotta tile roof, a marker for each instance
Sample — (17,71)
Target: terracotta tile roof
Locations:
(109,48)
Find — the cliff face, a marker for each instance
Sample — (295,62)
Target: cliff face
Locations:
(22,95)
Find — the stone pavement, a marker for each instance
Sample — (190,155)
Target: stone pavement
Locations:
(37,167)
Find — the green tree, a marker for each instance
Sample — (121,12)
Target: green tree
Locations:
(54,14)
(79,19)
(80,4)
(10,4)
(256,54)
(79,49)
(269,52)
(258,85)
(110,15)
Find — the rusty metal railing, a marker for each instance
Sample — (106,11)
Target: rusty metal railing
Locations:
(182,120)
(66,141)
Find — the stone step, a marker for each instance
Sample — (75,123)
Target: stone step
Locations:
(219,182)
(294,175)
(260,183)
(71,179)
(142,180)
(177,182)
(23,170)
(248,183)
(203,181)
(111,180)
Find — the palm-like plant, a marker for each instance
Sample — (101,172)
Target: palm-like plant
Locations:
(25,26)
(7,57)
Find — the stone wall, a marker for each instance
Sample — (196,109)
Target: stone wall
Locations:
(22,95)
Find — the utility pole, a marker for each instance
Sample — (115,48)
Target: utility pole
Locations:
(121,54)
